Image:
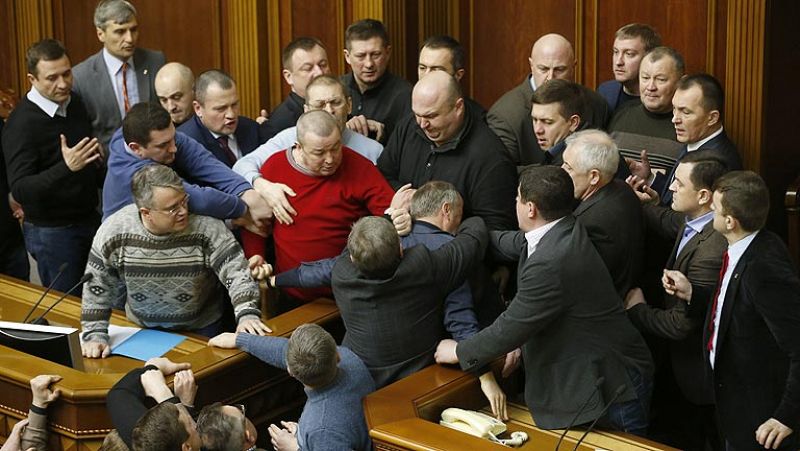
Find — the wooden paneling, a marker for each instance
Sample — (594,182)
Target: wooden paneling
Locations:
(243,53)
(501,35)
(9,69)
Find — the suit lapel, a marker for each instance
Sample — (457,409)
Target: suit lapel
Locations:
(106,85)
(143,76)
(679,261)
(730,300)
(593,199)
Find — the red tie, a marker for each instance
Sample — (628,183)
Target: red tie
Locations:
(223,142)
(125,87)
(710,344)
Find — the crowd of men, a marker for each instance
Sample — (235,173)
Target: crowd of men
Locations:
(608,242)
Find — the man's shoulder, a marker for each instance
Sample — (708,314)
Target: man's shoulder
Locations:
(148,56)
(514,101)
(18,120)
(120,222)
(88,64)
(191,127)
(364,145)
(610,87)
(397,83)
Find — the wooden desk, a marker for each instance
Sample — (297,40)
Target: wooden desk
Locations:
(78,420)
(405,416)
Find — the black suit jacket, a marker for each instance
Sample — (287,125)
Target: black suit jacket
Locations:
(757,366)
(570,323)
(679,322)
(720,147)
(394,323)
(284,116)
(613,219)
(247,137)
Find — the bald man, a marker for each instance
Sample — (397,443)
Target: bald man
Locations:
(444,141)
(509,118)
(175,90)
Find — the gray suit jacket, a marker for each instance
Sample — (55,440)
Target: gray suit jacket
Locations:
(510,119)
(570,323)
(679,322)
(95,88)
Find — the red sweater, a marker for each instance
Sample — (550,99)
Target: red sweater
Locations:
(326,209)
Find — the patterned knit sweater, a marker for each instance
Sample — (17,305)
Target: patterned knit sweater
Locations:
(171,280)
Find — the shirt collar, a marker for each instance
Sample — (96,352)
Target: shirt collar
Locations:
(48,106)
(697,224)
(694,146)
(533,83)
(534,236)
(113,63)
(737,249)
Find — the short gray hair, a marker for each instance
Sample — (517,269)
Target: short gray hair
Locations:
(594,149)
(117,11)
(153,176)
(374,246)
(430,197)
(220,431)
(318,122)
(209,78)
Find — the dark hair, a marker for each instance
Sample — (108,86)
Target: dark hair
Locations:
(159,429)
(366,29)
(220,431)
(710,87)
(209,78)
(311,356)
(447,42)
(549,188)
(745,197)
(706,169)
(375,247)
(302,43)
(113,442)
(47,50)
(646,33)
(142,119)
(662,51)
(567,94)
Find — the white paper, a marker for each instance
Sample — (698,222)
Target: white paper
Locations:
(118,334)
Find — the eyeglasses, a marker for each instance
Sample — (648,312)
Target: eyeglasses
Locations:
(335,102)
(184,203)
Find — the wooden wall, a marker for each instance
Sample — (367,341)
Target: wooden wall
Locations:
(735,40)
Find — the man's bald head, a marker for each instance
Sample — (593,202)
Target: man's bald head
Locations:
(438,106)
(552,57)
(175,90)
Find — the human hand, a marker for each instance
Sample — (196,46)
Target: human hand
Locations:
(14,439)
(635,296)
(771,433)
(676,284)
(643,191)
(155,386)
(446,351)
(84,152)
(402,221)
(640,168)
(263,116)
(359,125)
(402,198)
(253,326)
(225,340)
(167,366)
(42,390)
(511,362)
(185,387)
(94,349)
(260,213)
(259,269)
(16,208)
(283,439)
(495,395)
(275,196)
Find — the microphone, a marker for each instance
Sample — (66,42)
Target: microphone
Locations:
(49,287)
(597,384)
(40,320)
(617,394)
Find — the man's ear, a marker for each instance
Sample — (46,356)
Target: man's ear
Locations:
(459,74)
(287,76)
(574,122)
(197,108)
(101,34)
(594,177)
(136,148)
(31,78)
(713,117)
(704,196)
(533,212)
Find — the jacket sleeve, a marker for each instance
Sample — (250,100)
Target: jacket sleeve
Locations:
(35,433)
(665,221)
(503,129)
(126,404)
(673,323)
(249,166)
(459,313)
(452,261)
(389,161)
(506,246)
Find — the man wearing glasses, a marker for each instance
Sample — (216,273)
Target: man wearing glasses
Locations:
(169,262)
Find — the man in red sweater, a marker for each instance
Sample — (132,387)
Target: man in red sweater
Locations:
(334,187)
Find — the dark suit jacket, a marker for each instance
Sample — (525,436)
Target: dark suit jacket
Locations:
(757,368)
(613,219)
(284,116)
(720,147)
(394,322)
(94,86)
(679,322)
(570,323)
(510,119)
(247,137)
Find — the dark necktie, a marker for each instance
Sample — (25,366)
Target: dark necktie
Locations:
(223,143)
(125,100)
(714,306)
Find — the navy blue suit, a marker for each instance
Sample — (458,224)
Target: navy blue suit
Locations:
(247,137)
